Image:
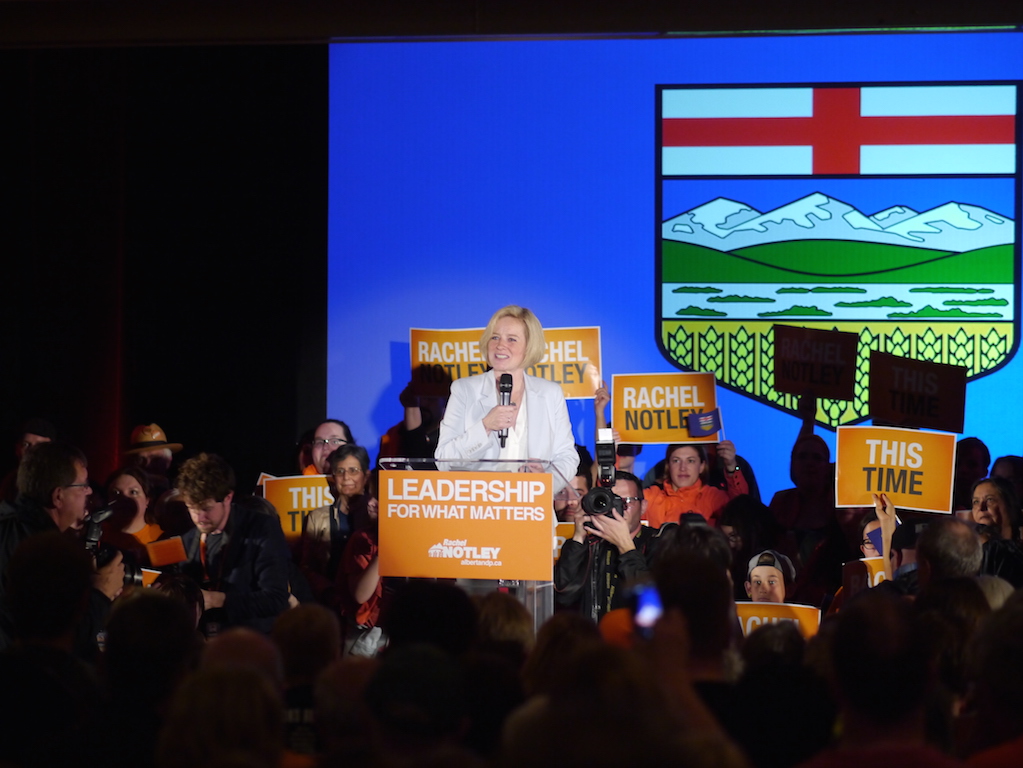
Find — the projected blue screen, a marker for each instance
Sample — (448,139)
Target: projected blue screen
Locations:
(467,175)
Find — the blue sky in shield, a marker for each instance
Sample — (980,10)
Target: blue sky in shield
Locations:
(868,195)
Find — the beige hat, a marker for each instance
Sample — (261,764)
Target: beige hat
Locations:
(149,436)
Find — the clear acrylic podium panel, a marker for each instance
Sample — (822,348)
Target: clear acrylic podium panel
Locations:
(536,596)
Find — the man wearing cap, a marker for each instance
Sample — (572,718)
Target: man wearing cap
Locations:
(151,452)
(767,576)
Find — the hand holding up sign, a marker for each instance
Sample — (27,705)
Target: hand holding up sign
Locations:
(600,400)
(886,516)
(806,407)
(726,455)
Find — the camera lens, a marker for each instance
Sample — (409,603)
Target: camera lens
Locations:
(132,575)
(600,501)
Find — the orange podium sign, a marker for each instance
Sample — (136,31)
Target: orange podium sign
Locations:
(754,615)
(478,525)
(294,497)
(652,407)
(914,468)
(439,356)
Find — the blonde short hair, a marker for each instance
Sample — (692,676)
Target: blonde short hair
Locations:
(536,348)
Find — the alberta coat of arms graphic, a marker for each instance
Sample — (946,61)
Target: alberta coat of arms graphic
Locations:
(887,210)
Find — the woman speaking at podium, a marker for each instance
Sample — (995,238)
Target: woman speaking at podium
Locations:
(533,424)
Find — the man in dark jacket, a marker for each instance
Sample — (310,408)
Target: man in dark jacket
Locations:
(237,554)
(53,490)
(606,554)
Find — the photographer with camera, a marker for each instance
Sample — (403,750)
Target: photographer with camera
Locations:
(53,492)
(610,548)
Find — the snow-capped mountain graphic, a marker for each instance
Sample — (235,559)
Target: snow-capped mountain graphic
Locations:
(726,225)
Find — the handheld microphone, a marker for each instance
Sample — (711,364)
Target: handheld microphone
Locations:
(505,388)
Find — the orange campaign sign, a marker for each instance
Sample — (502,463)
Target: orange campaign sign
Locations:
(653,407)
(753,615)
(858,575)
(477,525)
(913,467)
(916,393)
(439,356)
(809,359)
(166,552)
(294,497)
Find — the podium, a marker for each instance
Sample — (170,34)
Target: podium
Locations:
(487,524)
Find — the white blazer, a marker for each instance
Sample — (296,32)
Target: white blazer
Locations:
(549,431)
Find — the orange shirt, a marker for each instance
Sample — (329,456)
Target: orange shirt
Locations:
(148,534)
(666,504)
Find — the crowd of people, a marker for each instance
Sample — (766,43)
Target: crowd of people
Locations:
(246,649)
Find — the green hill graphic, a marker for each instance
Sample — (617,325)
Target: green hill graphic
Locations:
(834,261)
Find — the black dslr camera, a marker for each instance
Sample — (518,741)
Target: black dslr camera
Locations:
(104,553)
(601,500)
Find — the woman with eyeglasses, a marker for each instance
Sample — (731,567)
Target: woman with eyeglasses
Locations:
(327,438)
(326,530)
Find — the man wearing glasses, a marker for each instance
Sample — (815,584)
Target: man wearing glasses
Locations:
(327,438)
(606,554)
(53,493)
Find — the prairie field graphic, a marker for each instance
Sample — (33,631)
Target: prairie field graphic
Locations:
(937,285)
